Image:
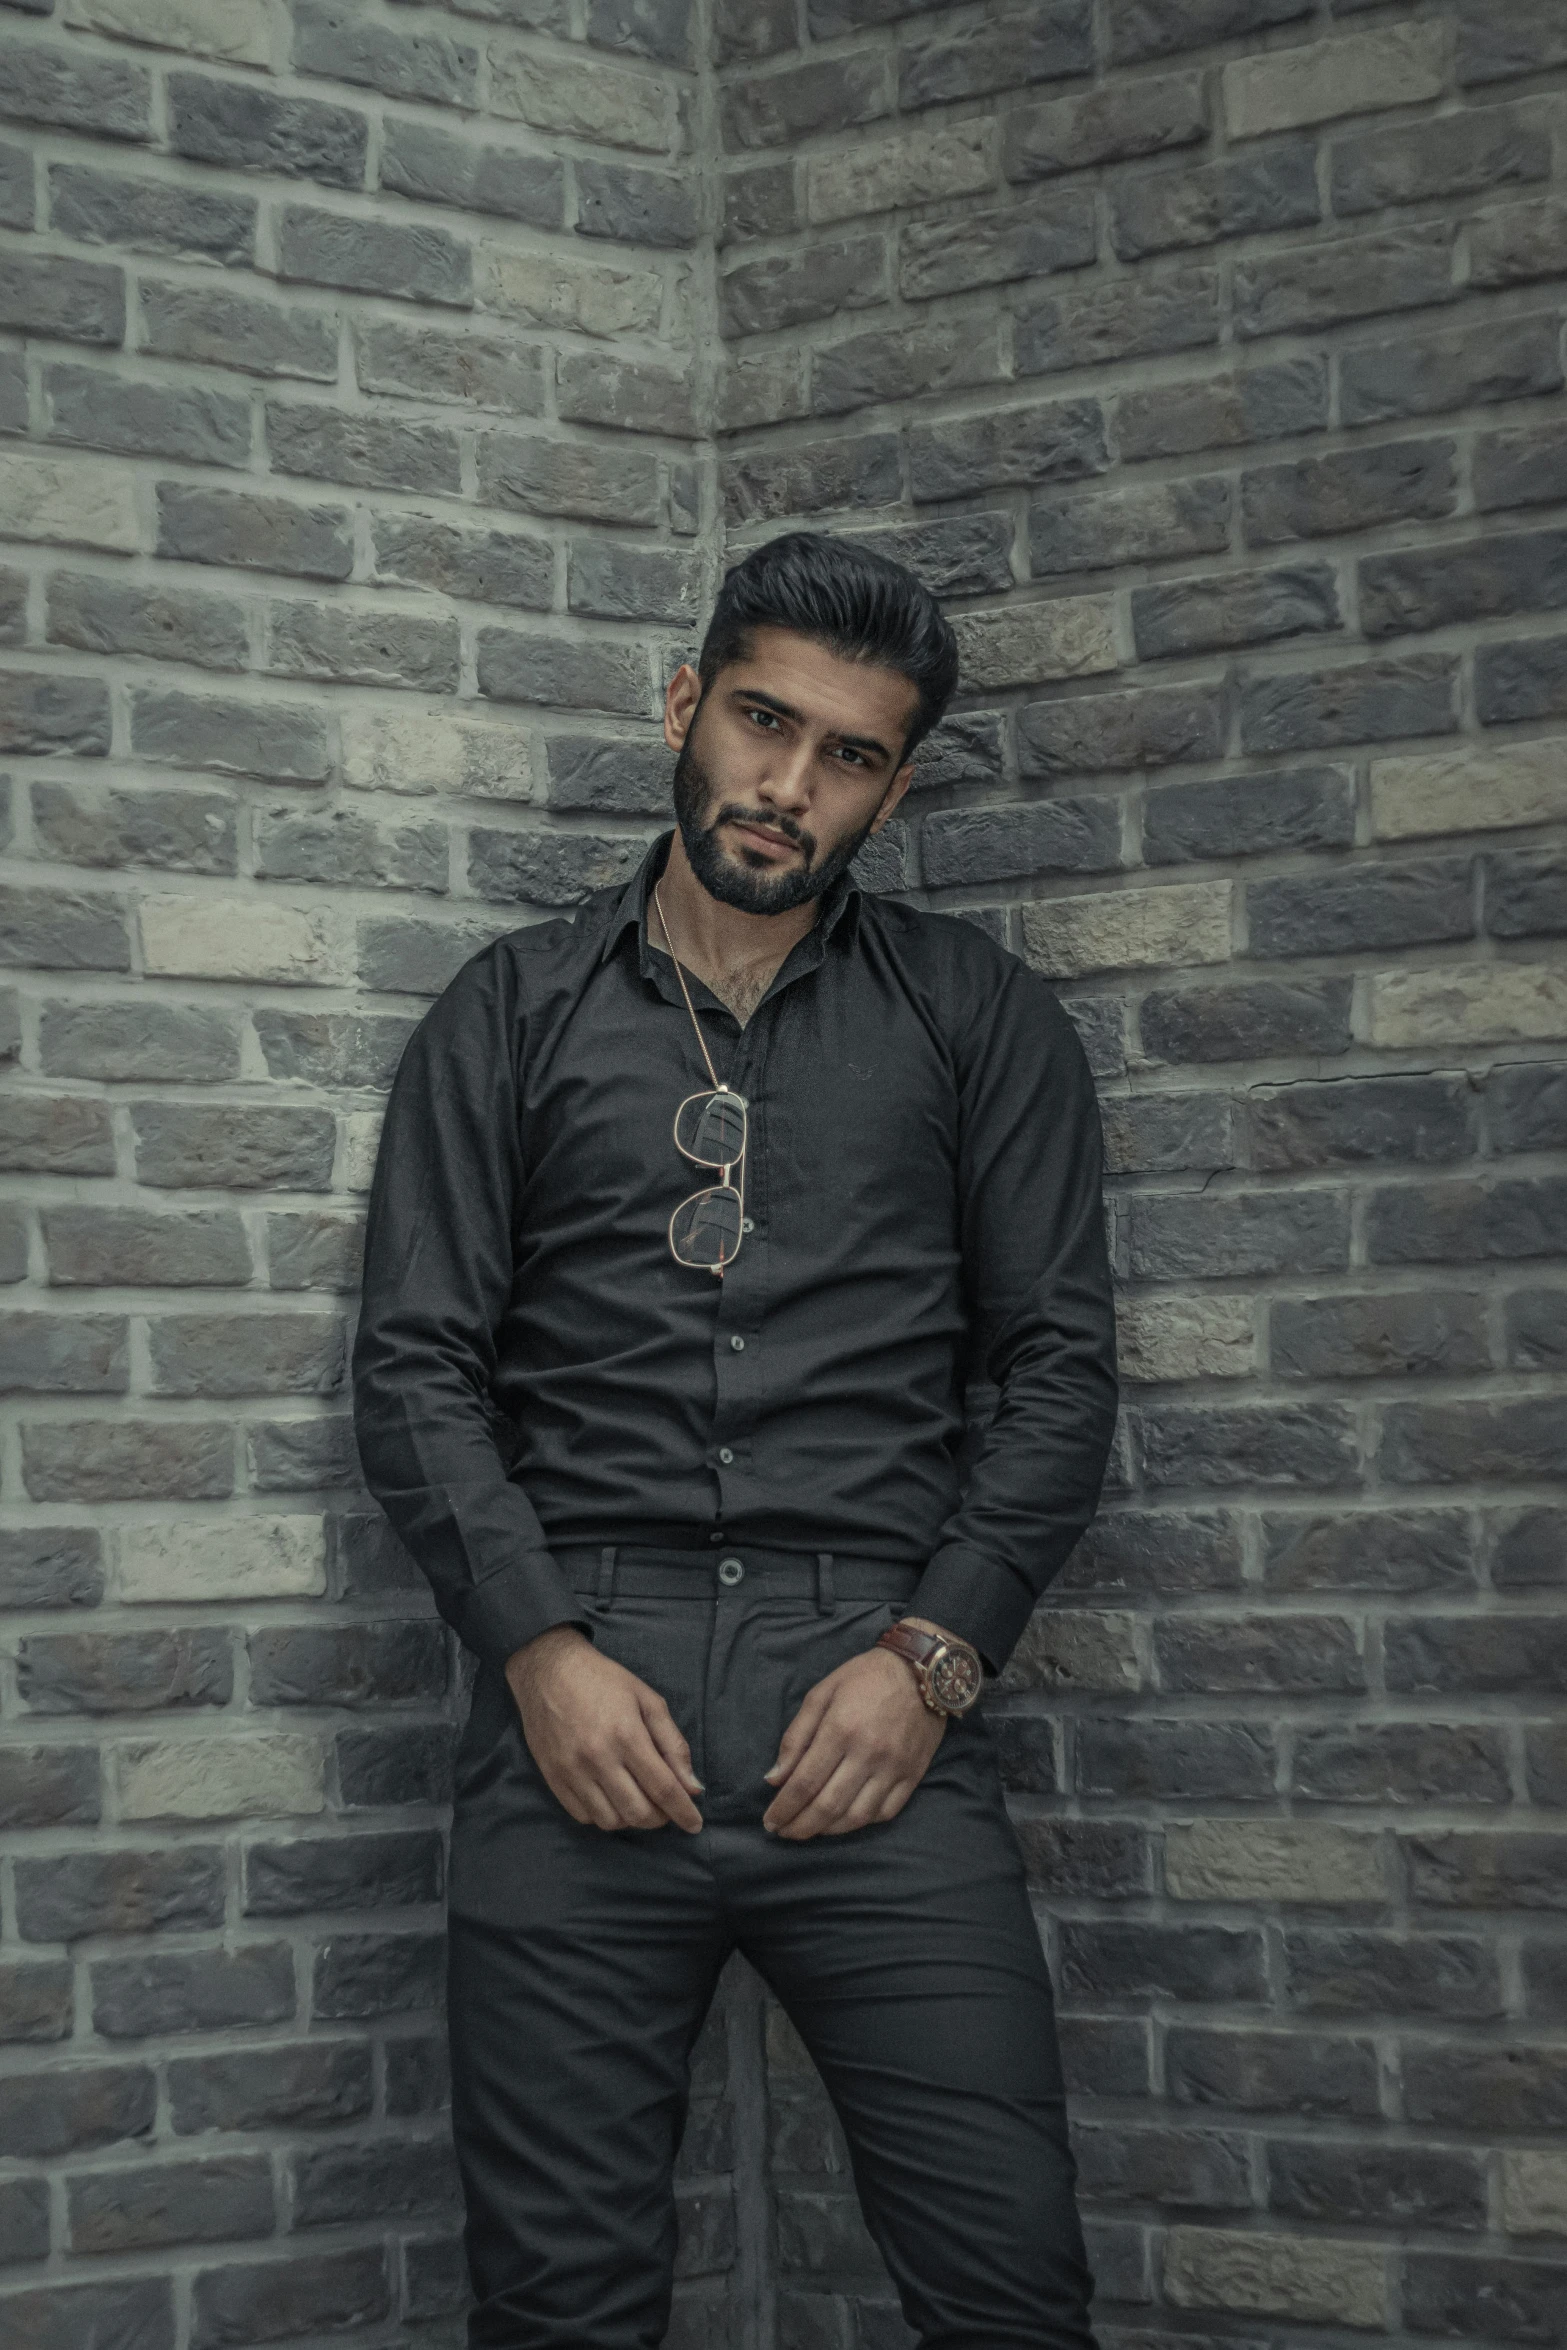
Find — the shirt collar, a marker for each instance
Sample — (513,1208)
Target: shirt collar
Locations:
(840,898)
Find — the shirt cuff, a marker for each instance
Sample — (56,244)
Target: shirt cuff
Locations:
(515,1604)
(984,1603)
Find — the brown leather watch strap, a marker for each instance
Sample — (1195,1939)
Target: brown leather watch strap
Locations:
(947,1669)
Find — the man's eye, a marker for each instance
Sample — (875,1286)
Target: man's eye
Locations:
(764,717)
(858,757)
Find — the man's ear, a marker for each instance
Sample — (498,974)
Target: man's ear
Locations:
(894,793)
(681,696)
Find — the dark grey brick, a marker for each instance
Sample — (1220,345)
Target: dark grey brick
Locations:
(987,246)
(416,264)
(1157,1550)
(1374,906)
(907,362)
(314,1250)
(55,930)
(287,2085)
(248,128)
(371,452)
(1467,1222)
(1455,155)
(132,1672)
(1292,292)
(1351,1971)
(1526,896)
(50,1567)
(219,328)
(607,775)
(1272,2072)
(1188,1761)
(24,2219)
(1112,124)
(1250,815)
(776,109)
(91,2106)
(636,207)
(1166,1133)
(1183,616)
(793,289)
(1310,1445)
(140,2210)
(1281,1651)
(49,1786)
(1137,1959)
(1451,2294)
(1265,1021)
(1498,39)
(1501,359)
(334,38)
(55,1134)
(759,202)
(397,2178)
(93,409)
(13,607)
(1527,679)
(965,846)
(1336,2181)
(281,742)
(590,480)
(1489,2086)
(1526,1106)
(563,672)
(303,1456)
(450,167)
(308,2293)
(1033,41)
(417,362)
(333,1048)
(1518,1441)
(1060,440)
(594,387)
(77,301)
(1380,1551)
(1099,529)
(816,477)
(1520,468)
(74,90)
(343,1872)
(1369,701)
(150,216)
(175,831)
(1153,28)
(488,566)
(1194,1235)
(1349,490)
(343,646)
(121,1892)
(1093,733)
(132,1248)
(347,1664)
(547,869)
(1273,189)
(1135,316)
(178,1043)
(17,201)
(146,620)
(1529,1548)
(1523,572)
(236,1147)
(1363,1121)
(245,1354)
(955,555)
(1224,411)
(238,531)
(414,958)
(1517,245)
(1537,1330)
(13,396)
(1401,1334)
(614,582)
(647,28)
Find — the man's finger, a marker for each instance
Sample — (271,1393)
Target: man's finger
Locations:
(655,1779)
(834,1798)
(808,1777)
(666,1735)
(796,1740)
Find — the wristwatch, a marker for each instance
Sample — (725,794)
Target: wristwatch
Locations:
(948,1670)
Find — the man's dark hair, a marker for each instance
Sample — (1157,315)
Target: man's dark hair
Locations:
(858,604)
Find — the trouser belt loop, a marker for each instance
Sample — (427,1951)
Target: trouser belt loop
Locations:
(826,1597)
(606,1582)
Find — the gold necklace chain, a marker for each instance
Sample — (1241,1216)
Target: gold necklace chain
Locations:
(718,1084)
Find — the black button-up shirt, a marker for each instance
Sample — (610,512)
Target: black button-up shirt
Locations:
(923,1182)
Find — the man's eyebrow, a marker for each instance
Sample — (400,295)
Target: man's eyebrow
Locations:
(856,742)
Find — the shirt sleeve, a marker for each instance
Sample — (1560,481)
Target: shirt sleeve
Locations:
(1042,1315)
(438,1276)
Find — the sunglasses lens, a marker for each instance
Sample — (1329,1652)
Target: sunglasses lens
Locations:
(711,1129)
(705,1229)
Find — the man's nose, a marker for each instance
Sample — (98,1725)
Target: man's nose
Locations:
(785,782)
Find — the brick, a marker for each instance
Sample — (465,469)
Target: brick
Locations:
(1517,245)
(1458,155)
(1054,441)
(1159,211)
(1263,2072)
(306,2293)
(983,246)
(300,2085)
(64,503)
(240,938)
(237,31)
(1270,1860)
(223,329)
(138,2311)
(1525,1106)
(1170,1338)
(345,847)
(1364,1337)
(1252,2273)
(1363,1120)
(1526,571)
(1375,906)
(91,2106)
(343,1872)
(1527,1549)
(117,1042)
(490,566)
(1504,1655)
(1185,616)
(51,1567)
(1064,1648)
(1112,124)
(1097,323)
(1450,2293)
(120,1892)
(583,480)
(1010,48)
(1189,1761)
(916,168)
(613,777)
(1352,490)
(636,207)
(42,1134)
(239,531)
(1110,732)
(1536,1331)
(347,1664)
(1165,1133)
(49,1786)
(1351,1970)
(1174,1236)
(1511,359)
(181,1560)
(1496,1003)
(1141,29)
(1067,636)
(318,1250)
(1373,701)
(135,1672)
(1232,1655)
(332,1048)
(245,127)
(547,869)
(1268,402)
(1484,1869)
(180,831)
(76,301)
(146,622)
(1181,923)
(93,409)
(138,2210)
(417,264)
(633,395)
(611,582)
(1534,2194)
(1249,815)
(563,671)
(759,202)
(1263,1021)
(60,930)
(1525,897)
(775,109)
(614,106)
(793,289)
(402,2178)
(1355,73)
(1488,2087)
(182,1145)
(74,89)
(24,2219)
(1526,679)
(962,847)
(1132,1959)
(1472,1441)
(377,1974)
(440,166)
(813,478)
(560,290)
(150,216)
(1307,1445)
(334,40)
(1518,36)
(416,753)
(303,1456)
(367,452)
(955,555)
(1315,286)
(339,645)
(864,370)
(247,1354)
(1098,529)
(45,715)
(406,1765)
(649,28)
(1486,788)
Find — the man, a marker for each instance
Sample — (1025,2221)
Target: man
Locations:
(691,1215)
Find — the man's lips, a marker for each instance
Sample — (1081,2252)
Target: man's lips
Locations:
(776,844)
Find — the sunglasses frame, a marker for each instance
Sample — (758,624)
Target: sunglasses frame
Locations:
(737,1190)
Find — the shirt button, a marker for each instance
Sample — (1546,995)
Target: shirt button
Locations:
(725,1455)
(747,1224)
(738,1344)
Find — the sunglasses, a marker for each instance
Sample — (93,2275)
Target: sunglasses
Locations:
(705,1230)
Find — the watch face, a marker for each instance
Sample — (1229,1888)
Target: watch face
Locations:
(955,1679)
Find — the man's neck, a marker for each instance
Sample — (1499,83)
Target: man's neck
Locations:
(733,953)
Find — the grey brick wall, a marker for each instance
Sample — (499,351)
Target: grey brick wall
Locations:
(359,360)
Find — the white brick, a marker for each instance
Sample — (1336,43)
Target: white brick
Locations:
(224,1776)
(609,104)
(192,1559)
(911,170)
(1185,1338)
(361,1141)
(1356,73)
(1070,636)
(1314,2279)
(239,31)
(238,938)
(1129,930)
(559,290)
(1492,1003)
(1479,790)
(430,751)
(1270,1860)
(1534,2193)
(72,504)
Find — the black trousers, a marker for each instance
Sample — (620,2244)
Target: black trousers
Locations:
(583,1963)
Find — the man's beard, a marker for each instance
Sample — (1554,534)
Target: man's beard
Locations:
(751,889)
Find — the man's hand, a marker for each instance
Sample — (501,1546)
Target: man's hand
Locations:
(856,1750)
(608,1745)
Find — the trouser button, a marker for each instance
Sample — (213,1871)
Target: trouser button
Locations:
(731,1570)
